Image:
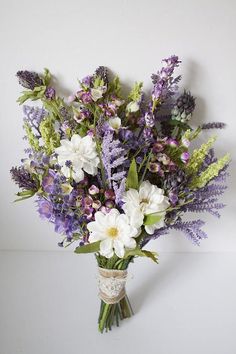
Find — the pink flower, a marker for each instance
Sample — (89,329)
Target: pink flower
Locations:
(93,190)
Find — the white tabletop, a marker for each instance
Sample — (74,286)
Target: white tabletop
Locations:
(49,304)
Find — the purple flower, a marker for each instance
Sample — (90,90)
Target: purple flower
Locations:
(87,80)
(185,157)
(109,194)
(172,142)
(109,204)
(48,181)
(45,208)
(102,72)
(113,156)
(164,84)
(93,190)
(213,125)
(29,79)
(50,93)
(154,167)
(23,178)
(173,197)
(84,96)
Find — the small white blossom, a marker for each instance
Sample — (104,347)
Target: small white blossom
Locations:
(115,123)
(132,107)
(97,93)
(77,156)
(114,231)
(147,200)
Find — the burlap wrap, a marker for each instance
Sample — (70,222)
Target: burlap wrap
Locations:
(111,283)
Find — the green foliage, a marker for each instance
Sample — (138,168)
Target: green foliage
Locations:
(89,248)
(132,178)
(36,94)
(53,106)
(98,82)
(211,172)
(33,141)
(114,87)
(46,77)
(136,92)
(25,195)
(192,134)
(151,219)
(50,137)
(141,253)
(198,156)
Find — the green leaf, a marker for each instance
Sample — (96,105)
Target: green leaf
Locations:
(141,253)
(89,248)
(132,178)
(47,77)
(151,255)
(24,195)
(151,219)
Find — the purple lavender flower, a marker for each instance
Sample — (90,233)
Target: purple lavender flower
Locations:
(23,178)
(102,72)
(113,156)
(119,191)
(149,119)
(33,116)
(213,125)
(50,93)
(87,80)
(29,79)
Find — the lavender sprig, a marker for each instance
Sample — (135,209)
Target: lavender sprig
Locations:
(29,79)
(113,156)
(23,178)
(213,125)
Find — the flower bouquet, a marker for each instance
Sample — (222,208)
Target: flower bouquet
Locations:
(113,172)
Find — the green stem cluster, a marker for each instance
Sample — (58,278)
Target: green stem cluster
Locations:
(112,314)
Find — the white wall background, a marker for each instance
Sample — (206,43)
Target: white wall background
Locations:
(131,37)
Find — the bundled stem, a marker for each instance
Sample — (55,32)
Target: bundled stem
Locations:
(112,314)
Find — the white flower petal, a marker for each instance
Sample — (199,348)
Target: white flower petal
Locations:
(119,248)
(106,248)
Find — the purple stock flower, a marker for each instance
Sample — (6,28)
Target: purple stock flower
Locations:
(164,84)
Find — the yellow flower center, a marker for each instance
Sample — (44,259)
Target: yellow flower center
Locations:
(112,232)
(143,204)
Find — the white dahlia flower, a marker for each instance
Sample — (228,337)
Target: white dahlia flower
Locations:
(77,156)
(114,231)
(147,200)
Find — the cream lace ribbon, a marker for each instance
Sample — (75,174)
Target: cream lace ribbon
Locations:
(111,284)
